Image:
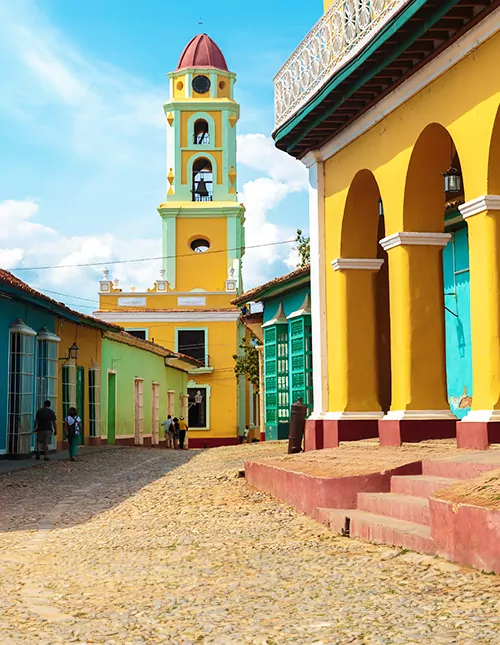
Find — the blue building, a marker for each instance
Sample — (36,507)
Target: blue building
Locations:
(286,336)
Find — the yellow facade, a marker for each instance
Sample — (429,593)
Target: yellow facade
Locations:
(403,157)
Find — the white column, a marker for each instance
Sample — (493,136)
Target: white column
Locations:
(318,290)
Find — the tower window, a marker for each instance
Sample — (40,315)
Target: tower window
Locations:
(201,133)
(200,245)
(202,181)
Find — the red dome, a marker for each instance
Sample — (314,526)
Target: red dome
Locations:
(202,52)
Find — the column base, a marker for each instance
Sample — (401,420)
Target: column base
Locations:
(94,441)
(263,436)
(477,435)
(394,432)
(313,435)
(337,430)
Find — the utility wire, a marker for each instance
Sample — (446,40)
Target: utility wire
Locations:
(162,257)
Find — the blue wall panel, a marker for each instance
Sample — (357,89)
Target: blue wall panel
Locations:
(458,322)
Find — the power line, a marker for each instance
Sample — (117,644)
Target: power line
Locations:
(162,257)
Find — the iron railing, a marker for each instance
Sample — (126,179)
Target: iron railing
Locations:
(345,29)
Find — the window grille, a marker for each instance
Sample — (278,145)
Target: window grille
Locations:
(68,387)
(95,401)
(47,372)
(21,385)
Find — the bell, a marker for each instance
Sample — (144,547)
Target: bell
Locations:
(201,189)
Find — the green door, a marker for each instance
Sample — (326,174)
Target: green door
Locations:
(111,408)
(80,400)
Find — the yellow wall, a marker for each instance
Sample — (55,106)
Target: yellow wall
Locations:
(88,341)
(180,87)
(406,152)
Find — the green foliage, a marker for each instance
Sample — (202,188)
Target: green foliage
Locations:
(304,248)
(247,362)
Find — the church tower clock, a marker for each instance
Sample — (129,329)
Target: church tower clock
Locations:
(189,308)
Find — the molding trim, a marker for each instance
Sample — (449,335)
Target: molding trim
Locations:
(364,264)
(311,158)
(482,416)
(480,205)
(415,239)
(353,416)
(166,316)
(421,79)
(420,415)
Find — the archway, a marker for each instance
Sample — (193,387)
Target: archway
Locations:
(202,180)
(494,159)
(440,284)
(201,133)
(363,227)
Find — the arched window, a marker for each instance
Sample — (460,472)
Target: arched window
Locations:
(202,181)
(201,133)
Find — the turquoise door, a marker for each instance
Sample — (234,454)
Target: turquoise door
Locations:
(457,321)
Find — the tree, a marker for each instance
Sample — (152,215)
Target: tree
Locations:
(247,364)
(304,248)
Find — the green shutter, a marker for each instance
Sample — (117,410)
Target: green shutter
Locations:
(301,361)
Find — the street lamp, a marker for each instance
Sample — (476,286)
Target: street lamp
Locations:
(198,399)
(72,353)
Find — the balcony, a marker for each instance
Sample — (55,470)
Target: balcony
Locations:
(342,32)
(357,53)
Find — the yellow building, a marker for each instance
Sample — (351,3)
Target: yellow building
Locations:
(188,309)
(394,107)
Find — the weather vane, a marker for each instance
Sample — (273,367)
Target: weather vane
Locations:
(201,21)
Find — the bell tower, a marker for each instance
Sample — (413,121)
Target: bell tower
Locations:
(203,223)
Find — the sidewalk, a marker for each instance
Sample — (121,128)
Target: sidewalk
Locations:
(9,465)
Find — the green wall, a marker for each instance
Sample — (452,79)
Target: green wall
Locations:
(130,363)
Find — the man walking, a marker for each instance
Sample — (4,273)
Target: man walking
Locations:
(183,428)
(45,425)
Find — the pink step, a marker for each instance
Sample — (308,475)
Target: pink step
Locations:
(401,507)
(379,529)
(465,465)
(418,485)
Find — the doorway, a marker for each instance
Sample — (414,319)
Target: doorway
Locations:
(111,408)
(80,400)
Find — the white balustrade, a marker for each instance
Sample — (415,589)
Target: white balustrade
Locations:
(345,28)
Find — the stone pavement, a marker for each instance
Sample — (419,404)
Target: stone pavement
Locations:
(141,546)
(9,465)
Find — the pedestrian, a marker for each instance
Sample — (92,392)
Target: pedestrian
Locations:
(169,431)
(176,432)
(183,428)
(246,435)
(72,425)
(45,425)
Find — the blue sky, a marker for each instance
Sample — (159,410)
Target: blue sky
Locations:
(82,132)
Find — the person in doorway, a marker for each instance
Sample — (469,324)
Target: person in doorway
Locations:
(169,431)
(246,435)
(176,432)
(183,428)
(45,425)
(72,424)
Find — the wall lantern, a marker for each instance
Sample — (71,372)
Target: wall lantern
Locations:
(198,398)
(72,353)
(452,181)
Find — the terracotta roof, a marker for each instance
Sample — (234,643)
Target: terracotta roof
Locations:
(128,339)
(254,294)
(201,51)
(253,319)
(61,310)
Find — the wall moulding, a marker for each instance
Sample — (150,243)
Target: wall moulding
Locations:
(415,239)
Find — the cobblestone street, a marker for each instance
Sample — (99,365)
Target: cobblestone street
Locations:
(131,546)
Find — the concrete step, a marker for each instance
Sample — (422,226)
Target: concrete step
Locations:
(379,529)
(418,485)
(464,465)
(402,507)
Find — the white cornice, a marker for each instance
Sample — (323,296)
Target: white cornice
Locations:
(480,205)
(167,316)
(311,158)
(364,264)
(420,415)
(353,416)
(424,77)
(482,416)
(415,239)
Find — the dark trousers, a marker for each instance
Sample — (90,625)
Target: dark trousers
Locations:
(182,437)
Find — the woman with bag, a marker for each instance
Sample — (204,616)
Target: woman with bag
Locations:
(72,424)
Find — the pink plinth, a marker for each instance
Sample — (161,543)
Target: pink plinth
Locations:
(313,435)
(336,431)
(195,442)
(94,441)
(466,534)
(396,432)
(477,435)
(262,436)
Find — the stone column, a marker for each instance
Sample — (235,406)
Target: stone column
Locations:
(419,409)
(481,426)
(353,371)
(314,425)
